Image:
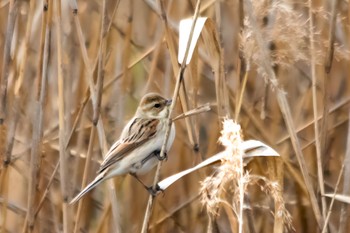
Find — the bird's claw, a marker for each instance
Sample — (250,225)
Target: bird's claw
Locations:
(159,157)
(154,190)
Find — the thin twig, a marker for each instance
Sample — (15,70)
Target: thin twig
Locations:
(198,110)
(101,62)
(169,122)
(78,117)
(175,211)
(240,99)
(333,198)
(14,207)
(47,189)
(336,107)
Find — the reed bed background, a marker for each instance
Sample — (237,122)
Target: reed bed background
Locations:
(72,73)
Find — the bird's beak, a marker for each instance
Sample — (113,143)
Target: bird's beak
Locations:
(168,102)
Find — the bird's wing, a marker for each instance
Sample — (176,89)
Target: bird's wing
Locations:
(140,131)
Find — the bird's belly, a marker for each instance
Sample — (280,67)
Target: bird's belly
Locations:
(137,161)
(141,159)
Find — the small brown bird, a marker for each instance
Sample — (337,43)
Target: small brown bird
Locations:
(138,148)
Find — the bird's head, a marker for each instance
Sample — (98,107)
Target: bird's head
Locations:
(153,105)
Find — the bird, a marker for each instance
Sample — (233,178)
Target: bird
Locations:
(137,151)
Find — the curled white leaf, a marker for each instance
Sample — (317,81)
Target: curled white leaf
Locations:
(184,34)
(252,148)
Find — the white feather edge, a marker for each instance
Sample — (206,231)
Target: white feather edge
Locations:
(252,148)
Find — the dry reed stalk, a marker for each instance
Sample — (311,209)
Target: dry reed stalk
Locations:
(256,122)
(333,109)
(19,81)
(74,127)
(344,213)
(111,186)
(112,191)
(242,66)
(23,64)
(327,67)
(156,53)
(179,80)
(131,65)
(89,69)
(257,99)
(80,110)
(85,177)
(315,110)
(241,93)
(173,212)
(325,226)
(101,62)
(47,189)
(15,208)
(173,57)
(195,84)
(4,174)
(100,129)
(125,80)
(324,123)
(38,120)
(61,116)
(103,219)
(4,193)
(285,109)
(220,82)
(11,18)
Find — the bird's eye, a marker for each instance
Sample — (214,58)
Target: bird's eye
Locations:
(157,105)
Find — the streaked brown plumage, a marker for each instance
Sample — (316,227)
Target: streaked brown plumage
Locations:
(139,144)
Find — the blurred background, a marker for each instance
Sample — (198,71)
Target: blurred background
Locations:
(275,70)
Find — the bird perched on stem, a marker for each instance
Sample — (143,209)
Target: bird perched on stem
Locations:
(138,149)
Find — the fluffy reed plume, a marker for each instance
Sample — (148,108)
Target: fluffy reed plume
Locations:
(272,19)
(228,184)
(229,174)
(287,44)
(272,189)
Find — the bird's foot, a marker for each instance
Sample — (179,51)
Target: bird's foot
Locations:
(159,157)
(154,191)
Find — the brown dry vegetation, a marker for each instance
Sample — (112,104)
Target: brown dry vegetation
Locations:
(72,75)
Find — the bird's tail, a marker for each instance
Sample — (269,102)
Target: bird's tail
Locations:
(90,186)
